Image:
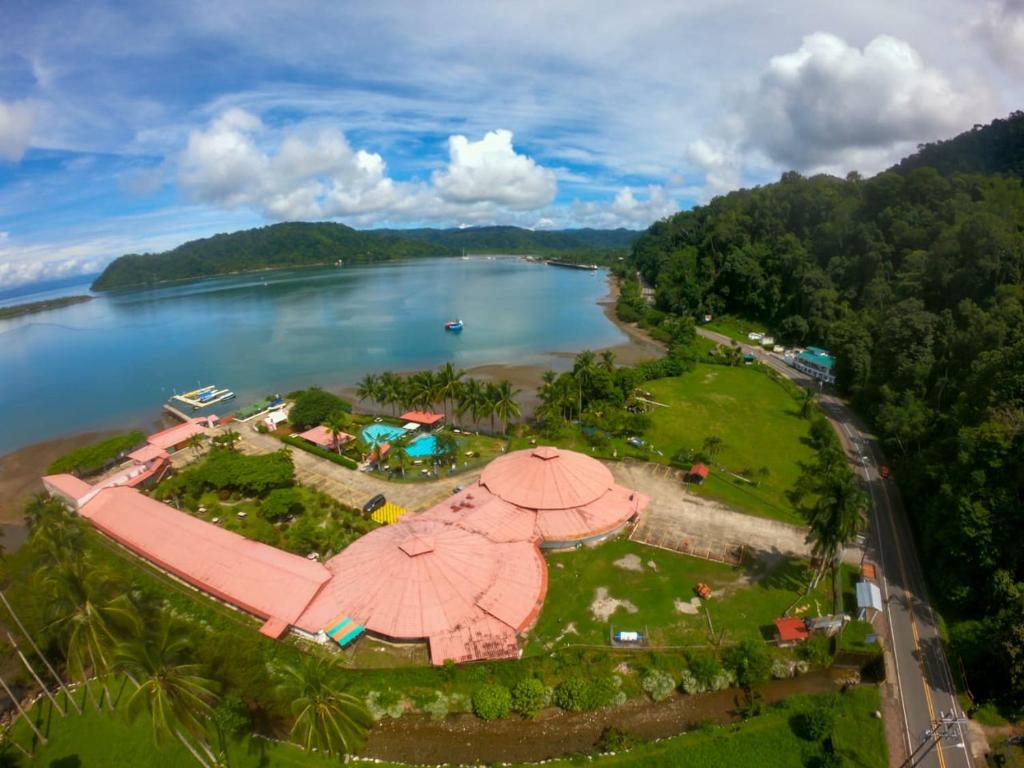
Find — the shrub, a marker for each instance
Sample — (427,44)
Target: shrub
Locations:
(381,704)
(231,717)
(437,707)
(281,503)
(657,684)
(781,669)
(572,694)
(337,458)
(690,684)
(492,701)
(314,406)
(614,739)
(705,669)
(817,651)
(528,697)
(750,661)
(814,724)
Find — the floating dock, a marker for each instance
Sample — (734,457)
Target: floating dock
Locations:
(204,397)
(570,265)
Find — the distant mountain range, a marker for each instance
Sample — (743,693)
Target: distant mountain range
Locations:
(300,244)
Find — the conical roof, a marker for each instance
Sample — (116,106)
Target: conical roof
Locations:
(547,478)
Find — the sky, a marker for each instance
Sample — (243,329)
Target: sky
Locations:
(135,126)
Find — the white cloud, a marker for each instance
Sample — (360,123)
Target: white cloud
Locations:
(720,163)
(829,104)
(313,172)
(17,119)
(490,170)
(1000,29)
(627,209)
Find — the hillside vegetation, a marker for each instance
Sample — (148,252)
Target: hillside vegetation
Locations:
(915,281)
(300,244)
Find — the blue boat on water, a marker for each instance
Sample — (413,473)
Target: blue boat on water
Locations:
(455,326)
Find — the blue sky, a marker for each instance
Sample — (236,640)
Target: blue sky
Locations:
(135,126)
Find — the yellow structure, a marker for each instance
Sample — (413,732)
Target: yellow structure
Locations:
(388,514)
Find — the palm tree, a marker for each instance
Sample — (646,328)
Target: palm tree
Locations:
(472,399)
(449,383)
(401,457)
(227,439)
(546,392)
(834,520)
(390,390)
(608,360)
(326,718)
(713,445)
(368,388)
(807,403)
(336,424)
(489,407)
(195,442)
(583,372)
(175,693)
(89,611)
(506,406)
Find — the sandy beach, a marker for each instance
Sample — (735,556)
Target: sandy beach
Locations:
(20,470)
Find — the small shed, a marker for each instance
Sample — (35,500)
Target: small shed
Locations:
(869,600)
(698,474)
(790,631)
(275,419)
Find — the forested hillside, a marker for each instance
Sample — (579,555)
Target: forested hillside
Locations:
(299,244)
(915,282)
(994,148)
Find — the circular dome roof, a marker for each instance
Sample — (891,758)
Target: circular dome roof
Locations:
(547,478)
(420,578)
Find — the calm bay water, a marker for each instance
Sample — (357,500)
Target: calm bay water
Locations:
(113,361)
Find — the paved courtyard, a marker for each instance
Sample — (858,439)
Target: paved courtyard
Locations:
(352,487)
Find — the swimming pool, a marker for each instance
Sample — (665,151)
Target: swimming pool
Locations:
(422,446)
(382,432)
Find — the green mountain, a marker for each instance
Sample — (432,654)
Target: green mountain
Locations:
(299,244)
(915,281)
(994,148)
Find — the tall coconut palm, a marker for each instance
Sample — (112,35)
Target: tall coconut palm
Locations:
(546,391)
(608,360)
(195,442)
(422,389)
(400,456)
(449,383)
(834,520)
(506,407)
(326,718)
(336,424)
(583,372)
(490,406)
(173,691)
(89,612)
(368,388)
(472,399)
(391,390)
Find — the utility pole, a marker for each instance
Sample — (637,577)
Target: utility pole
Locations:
(946,727)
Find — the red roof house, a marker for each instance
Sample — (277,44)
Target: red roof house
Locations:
(425,418)
(321,436)
(791,630)
(698,473)
(177,437)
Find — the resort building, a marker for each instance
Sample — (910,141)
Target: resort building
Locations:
(466,576)
(427,419)
(321,436)
(815,362)
(177,437)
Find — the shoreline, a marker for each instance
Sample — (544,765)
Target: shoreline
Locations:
(21,468)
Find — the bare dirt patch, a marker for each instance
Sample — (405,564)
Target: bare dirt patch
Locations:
(629,563)
(605,605)
(690,607)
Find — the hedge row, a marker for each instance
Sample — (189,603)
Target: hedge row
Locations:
(337,458)
(92,458)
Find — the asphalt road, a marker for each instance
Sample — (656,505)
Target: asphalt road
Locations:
(916,656)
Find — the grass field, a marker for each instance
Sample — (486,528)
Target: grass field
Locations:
(744,604)
(769,740)
(758,422)
(735,327)
(94,739)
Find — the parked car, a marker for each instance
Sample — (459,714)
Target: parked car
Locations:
(374,504)
(636,442)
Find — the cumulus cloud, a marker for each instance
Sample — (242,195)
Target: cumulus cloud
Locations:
(17,273)
(316,173)
(1000,29)
(720,164)
(628,209)
(491,170)
(828,103)
(17,119)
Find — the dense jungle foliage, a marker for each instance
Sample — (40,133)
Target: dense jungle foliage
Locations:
(915,281)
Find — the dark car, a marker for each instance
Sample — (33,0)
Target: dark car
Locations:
(374,504)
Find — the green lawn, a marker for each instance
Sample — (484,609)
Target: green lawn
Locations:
(735,327)
(759,425)
(107,738)
(745,603)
